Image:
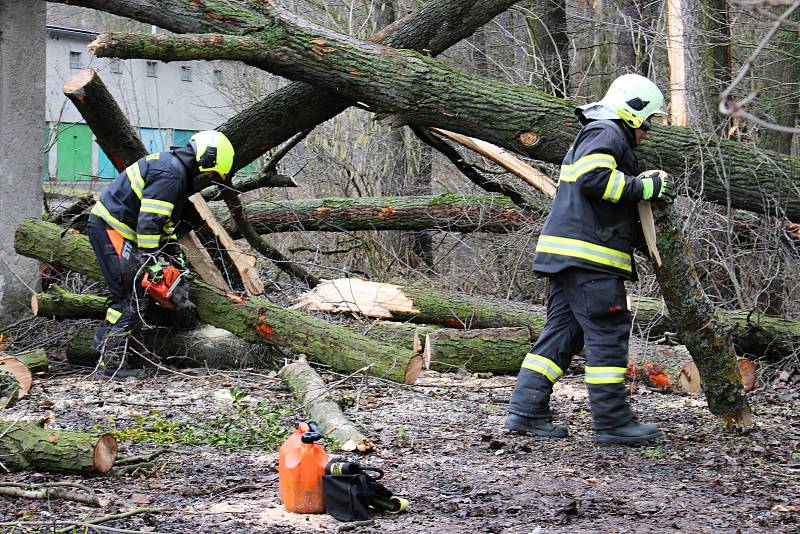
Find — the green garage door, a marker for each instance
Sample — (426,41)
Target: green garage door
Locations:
(74,152)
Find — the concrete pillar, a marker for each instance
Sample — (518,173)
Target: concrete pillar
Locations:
(22,123)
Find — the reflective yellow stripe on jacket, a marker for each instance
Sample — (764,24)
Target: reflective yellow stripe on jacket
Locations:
(586,251)
(160,207)
(542,365)
(135,177)
(605,375)
(126,231)
(112,315)
(616,179)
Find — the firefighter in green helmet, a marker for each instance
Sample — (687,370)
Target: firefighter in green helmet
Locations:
(134,226)
(585,249)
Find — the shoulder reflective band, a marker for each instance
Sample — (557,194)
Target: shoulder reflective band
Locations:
(615,186)
(570,173)
(605,375)
(151,157)
(135,177)
(148,241)
(586,251)
(542,365)
(160,207)
(126,231)
(112,315)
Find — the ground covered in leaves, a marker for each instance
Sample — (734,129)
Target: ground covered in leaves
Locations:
(442,446)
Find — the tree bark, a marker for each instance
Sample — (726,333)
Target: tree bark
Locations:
(58,303)
(35,360)
(434,27)
(425,92)
(118,139)
(28,446)
(255,320)
(708,341)
(251,183)
(447,212)
(312,396)
(202,346)
(493,350)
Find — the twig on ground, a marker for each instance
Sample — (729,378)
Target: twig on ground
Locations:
(143,458)
(52,493)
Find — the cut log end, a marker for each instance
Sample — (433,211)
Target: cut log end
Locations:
(414,368)
(689,379)
(78,81)
(105,453)
(20,372)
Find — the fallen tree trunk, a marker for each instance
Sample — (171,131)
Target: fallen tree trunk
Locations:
(58,303)
(35,360)
(432,28)
(203,346)
(708,340)
(29,446)
(492,350)
(427,93)
(312,396)
(447,212)
(255,320)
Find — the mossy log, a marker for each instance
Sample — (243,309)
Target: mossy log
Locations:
(514,117)
(493,350)
(202,346)
(58,303)
(312,396)
(254,320)
(28,446)
(446,212)
(707,340)
(35,360)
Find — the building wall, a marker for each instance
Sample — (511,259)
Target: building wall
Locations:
(157,105)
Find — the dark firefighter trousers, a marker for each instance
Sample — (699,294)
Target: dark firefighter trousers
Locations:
(110,247)
(583,307)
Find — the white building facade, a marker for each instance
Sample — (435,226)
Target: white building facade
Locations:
(167,102)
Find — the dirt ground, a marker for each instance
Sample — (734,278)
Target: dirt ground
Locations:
(442,446)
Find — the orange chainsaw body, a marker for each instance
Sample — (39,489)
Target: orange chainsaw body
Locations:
(161,290)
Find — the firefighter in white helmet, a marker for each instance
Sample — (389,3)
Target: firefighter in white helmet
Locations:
(585,249)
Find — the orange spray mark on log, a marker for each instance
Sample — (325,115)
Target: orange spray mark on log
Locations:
(385,213)
(236,299)
(263,328)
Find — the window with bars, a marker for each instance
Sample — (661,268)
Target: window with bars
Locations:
(74,60)
(186,73)
(151,69)
(115,66)
(217,77)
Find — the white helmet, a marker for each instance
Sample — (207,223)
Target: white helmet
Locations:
(632,98)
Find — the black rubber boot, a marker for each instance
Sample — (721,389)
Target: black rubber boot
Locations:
(544,428)
(631,434)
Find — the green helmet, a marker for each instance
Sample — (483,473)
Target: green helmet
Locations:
(213,152)
(634,99)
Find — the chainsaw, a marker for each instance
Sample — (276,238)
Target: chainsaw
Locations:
(168,286)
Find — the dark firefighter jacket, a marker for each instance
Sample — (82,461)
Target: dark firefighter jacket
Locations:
(146,200)
(591,224)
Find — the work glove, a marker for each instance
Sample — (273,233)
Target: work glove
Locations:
(657,185)
(175,254)
(133,262)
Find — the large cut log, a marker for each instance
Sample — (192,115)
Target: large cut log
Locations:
(255,320)
(425,92)
(447,212)
(312,396)
(690,311)
(28,446)
(9,389)
(118,139)
(58,303)
(751,332)
(35,360)
(202,346)
(492,350)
